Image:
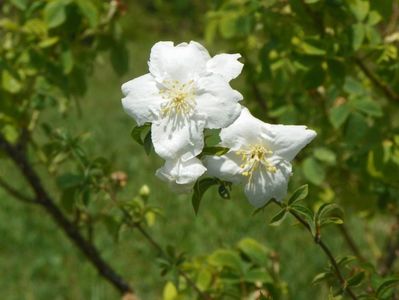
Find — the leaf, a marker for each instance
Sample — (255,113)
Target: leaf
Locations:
(313,171)
(279,217)
(257,275)
(10,83)
(21,4)
(339,114)
(139,132)
(67,61)
(169,291)
(148,146)
(226,258)
(368,106)
(321,277)
(352,86)
(89,10)
(200,187)
(254,250)
(356,128)
(325,155)
(48,42)
(214,150)
(360,8)
(358,35)
(54,13)
(299,194)
(356,279)
(68,180)
(386,285)
(325,209)
(311,48)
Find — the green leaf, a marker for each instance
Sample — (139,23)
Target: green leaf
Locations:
(299,194)
(257,275)
(339,114)
(325,155)
(10,83)
(319,278)
(67,61)
(311,1)
(54,13)
(48,42)
(356,279)
(313,171)
(374,18)
(170,291)
(21,4)
(89,10)
(226,258)
(385,285)
(200,187)
(356,129)
(279,217)
(358,35)
(148,146)
(214,150)
(360,9)
(254,250)
(119,57)
(68,180)
(140,132)
(311,48)
(325,209)
(368,106)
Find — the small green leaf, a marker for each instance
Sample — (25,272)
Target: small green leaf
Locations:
(360,8)
(257,275)
(358,35)
(311,48)
(254,250)
(339,114)
(170,291)
(89,10)
(48,42)
(386,284)
(214,150)
(148,146)
(68,180)
(356,279)
(279,217)
(200,187)
(21,4)
(313,171)
(325,209)
(54,13)
(325,155)
(140,132)
(226,258)
(321,277)
(368,106)
(299,194)
(10,83)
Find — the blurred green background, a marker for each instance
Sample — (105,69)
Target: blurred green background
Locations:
(38,262)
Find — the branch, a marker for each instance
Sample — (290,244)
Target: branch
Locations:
(327,251)
(388,92)
(42,198)
(351,243)
(15,193)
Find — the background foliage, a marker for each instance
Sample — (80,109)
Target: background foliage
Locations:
(330,64)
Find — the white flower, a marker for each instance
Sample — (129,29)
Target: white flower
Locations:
(185,92)
(259,156)
(181,175)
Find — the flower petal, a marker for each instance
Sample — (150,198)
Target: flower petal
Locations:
(246,130)
(142,100)
(217,101)
(183,62)
(178,137)
(225,167)
(290,139)
(226,65)
(181,175)
(264,185)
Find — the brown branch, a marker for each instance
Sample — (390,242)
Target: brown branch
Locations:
(326,250)
(44,199)
(386,89)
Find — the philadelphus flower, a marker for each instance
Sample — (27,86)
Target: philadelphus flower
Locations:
(259,156)
(185,91)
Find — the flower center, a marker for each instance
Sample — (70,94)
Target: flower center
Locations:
(180,98)
(253,158)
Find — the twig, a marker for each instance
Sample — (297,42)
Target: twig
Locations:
(15,193)
(350,242)
(326,250)
(43,198)
(388,92)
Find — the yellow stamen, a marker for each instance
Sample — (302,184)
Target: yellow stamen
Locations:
(180,98)
(253,158)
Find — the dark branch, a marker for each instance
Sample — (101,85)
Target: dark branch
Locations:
(350,242)
(69,228)
(327,251)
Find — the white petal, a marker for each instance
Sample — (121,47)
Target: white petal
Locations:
(263,185)
(246,130)
(181,173)
(142,100)
(217,101)
(290,139)
(183,62)
(226,65)
(225,167)
(178,137)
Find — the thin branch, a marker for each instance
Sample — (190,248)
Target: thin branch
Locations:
(327,251)
(350,242)
(386,89)
(44,199)
(15,193)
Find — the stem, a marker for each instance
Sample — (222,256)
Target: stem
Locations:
(351,243)
(15,193)
(43,198)
(326,250)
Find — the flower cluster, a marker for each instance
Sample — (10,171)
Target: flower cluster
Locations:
(187,91)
